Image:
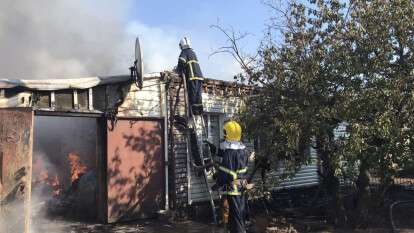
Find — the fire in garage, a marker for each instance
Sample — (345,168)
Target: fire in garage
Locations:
(80,149)
(64,166)
(101,149)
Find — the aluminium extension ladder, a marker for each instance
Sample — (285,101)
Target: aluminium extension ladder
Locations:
(198,125)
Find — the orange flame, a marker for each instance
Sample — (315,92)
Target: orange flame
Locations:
(55,186)
(43,177)
(77,169)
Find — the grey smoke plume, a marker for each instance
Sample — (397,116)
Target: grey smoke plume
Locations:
(77,38)
(65,38)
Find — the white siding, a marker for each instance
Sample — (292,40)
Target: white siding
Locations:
(145,102)
(307,175)
(181,179)
(221,104)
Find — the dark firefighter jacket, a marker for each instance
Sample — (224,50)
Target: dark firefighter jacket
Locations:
(232,167)
(188,64)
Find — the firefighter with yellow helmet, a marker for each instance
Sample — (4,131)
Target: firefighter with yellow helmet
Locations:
(232,174)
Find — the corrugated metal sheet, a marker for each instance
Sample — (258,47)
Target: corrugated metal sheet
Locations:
(340,130)
(179,178)
(60,84)
(307,175)
(199,192)
(181,175)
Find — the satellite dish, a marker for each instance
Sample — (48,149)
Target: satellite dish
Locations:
(137,70)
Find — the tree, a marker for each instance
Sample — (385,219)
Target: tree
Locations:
(380,110)
(337,61)
(302,91)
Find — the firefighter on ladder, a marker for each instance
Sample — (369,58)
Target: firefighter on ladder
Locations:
(232,174)
(188,65)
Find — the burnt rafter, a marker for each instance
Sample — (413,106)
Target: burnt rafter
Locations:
(214,86)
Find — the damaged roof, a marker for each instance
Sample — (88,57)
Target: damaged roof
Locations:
(59,84)
(65,83)
(93,81)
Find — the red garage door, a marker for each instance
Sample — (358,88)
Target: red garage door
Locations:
(135,173)
(16,137)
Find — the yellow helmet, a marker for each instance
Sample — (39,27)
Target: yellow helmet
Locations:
(232,131)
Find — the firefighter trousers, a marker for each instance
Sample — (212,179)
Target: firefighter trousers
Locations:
(194,96)
(237,205)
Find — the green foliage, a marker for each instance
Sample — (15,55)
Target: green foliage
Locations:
(301,84)
(380,111)
(338,61)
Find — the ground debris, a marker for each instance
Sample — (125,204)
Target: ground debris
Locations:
(147,226)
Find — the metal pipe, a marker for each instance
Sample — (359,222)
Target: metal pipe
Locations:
(75,99)
(52,100)
(394,228)
(90,98)
(164,109)
(187,113)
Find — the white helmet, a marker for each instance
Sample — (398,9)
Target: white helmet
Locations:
(185,43)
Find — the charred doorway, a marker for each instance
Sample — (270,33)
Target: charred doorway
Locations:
(64,180)
(83,167)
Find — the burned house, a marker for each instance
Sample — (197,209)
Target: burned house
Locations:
(101,148)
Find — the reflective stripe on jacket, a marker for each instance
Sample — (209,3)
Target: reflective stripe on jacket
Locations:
(188,64)
(233,166)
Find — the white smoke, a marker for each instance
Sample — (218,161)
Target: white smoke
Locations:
(53,39)
(160,47)
(76,38)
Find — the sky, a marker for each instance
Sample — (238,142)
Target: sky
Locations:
(76,38)
(192,18)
